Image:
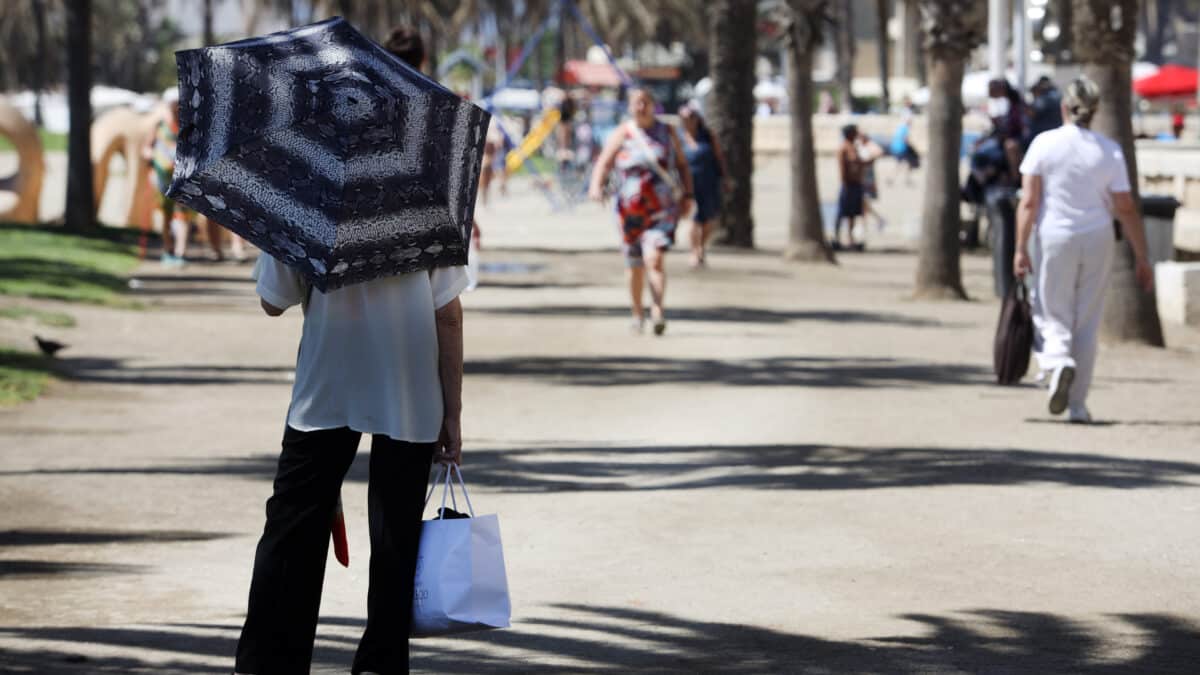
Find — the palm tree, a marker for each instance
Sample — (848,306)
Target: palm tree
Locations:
(1105,31)
(39,67)
(209,39)
(843,41)
(79,215)
(952,29)
(882,14)
(806,234)
(732,49)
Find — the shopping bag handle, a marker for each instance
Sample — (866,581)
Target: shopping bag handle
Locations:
(443,477)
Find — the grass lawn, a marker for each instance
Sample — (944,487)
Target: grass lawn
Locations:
(51,142)
(47,262)
(23,376)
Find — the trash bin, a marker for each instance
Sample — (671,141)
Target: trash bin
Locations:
(1158,213)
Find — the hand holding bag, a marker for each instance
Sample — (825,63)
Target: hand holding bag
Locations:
(460,584)
(1014,336)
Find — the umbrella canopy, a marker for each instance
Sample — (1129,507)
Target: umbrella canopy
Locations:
(329,153)
(1170,80)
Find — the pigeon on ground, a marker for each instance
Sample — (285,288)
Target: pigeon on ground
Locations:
(48,347)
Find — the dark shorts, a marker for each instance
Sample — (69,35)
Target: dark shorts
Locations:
(850,201)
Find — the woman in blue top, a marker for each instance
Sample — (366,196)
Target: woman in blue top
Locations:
(707,164)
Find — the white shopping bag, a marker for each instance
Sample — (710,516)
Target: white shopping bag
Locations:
(460,584)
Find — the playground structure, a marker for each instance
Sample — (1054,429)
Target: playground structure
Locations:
(26,183)
(519,151)
(125,132)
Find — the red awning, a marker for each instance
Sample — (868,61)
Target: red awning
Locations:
(590,74)
(1170,80)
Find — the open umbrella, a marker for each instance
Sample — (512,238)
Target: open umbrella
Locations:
(329,153)
(1171,80)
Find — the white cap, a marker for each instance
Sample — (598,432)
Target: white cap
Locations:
(170,95)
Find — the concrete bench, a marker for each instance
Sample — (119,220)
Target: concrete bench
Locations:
(1177,286)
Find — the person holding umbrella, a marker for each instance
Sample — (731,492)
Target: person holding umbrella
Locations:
(650,201)
(1074,182)
(360,190)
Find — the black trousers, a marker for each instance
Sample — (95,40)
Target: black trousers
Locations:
(1002,222)
(289,564)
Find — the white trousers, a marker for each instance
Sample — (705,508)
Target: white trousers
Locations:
(1070,280)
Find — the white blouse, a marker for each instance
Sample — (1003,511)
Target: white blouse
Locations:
(368,354)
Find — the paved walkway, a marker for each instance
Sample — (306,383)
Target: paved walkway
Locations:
(808,473)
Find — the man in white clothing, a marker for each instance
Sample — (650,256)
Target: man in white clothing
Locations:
(1074,181)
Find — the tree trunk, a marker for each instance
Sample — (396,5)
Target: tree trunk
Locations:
(914,37)
(79,213)
(882,14)
(733,51)
(208,24)
(1156,19)
(806,231)
(1130,314)
(39,66)
(938,269)
(843,41)
(560,48)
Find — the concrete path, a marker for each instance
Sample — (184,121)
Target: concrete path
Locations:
(809,473)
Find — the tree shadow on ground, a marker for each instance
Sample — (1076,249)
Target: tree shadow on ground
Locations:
(766,467)
(509,284)
(581,638)
(1102,423)
(59,273)
(188,278)
(50,568)
(606,371)
(722,314)
(38,537)
(118,371)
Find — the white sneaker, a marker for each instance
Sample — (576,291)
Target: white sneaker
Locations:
(1060,388)
(1079,415)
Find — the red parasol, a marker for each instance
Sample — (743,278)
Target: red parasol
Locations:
(1172,80)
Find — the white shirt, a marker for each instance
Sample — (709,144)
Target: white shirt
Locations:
(368,355)
(1079,169)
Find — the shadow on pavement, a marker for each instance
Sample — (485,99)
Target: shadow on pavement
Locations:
(73,537)
(607,371)
(722,314)
(47,568)
(804,467)
(768,467)
(615,639)
(117,371)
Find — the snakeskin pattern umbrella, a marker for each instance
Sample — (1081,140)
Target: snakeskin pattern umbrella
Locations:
(329,153)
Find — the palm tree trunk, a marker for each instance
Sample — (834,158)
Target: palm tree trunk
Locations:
(208,23)
(1130,313)
(843,40)
(881,15)
(806,232)
(1104,33)
(79,214)
(938,269)
(733,50)
(39,66)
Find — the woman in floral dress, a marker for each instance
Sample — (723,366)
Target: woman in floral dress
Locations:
(649,200)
